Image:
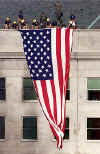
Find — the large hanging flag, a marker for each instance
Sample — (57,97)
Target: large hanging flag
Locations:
(47,53)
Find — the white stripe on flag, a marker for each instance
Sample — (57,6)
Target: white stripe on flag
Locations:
(63,55)
(39,89)
(71,38)
(49,91)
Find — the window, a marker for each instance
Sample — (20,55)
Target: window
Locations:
(2,89)
(2,127)
(68,91)
(29,90)
(93,128)
(66,135)
(94,89)
(30,127)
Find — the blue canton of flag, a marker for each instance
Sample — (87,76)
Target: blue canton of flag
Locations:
(37,47)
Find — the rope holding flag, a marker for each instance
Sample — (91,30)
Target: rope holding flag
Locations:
(47,53)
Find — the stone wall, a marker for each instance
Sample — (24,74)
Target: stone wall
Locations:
(85,56)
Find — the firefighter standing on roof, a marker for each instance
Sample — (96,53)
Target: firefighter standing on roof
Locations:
(72,23)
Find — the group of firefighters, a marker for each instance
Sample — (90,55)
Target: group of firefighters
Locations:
(44,22)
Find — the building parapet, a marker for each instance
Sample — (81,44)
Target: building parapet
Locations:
(86,44)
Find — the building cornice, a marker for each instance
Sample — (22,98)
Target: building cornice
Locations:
(86,44)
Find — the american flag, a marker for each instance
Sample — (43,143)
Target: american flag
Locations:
(47,53)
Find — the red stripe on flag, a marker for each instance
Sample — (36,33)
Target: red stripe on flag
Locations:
(55,134)
(59,63)
(67,47)
(54,99)
(46,98)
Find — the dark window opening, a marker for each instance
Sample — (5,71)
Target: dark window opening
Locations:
(29,90)
(94,95)
(2,127)
(93,129)
(94,89)
(67,95)
(2,89)
(29,128)
(68,91)
(66,134)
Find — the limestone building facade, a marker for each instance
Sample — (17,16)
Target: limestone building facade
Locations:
(23,127)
